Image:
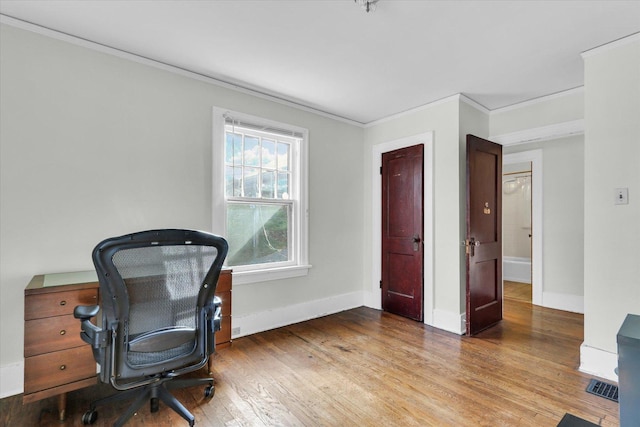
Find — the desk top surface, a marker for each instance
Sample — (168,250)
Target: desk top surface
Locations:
(55,282)
(60,279)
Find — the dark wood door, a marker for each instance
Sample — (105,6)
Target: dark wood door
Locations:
(402,246)
(484,234)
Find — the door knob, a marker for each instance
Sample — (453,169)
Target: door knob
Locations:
(416,242)
(470,245)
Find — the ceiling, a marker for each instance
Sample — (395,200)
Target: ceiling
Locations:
(332,56)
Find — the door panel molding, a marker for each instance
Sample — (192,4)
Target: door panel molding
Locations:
(483,254)
(374,297)
(402,222)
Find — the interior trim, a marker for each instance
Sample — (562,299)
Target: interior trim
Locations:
(373,297)
(598,362)
(543,133)
(24,25)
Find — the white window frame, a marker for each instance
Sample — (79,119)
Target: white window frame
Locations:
(300,210)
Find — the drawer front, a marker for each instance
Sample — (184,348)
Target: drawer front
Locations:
(57,303)
(51,334)
(224,334)
(58,368)
(224,282)
(226,302)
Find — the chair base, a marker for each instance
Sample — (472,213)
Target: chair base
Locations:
(153,393)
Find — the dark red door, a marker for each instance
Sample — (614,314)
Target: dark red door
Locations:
(484,234)
(402,247)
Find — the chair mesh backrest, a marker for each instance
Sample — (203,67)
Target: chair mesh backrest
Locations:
(162,284)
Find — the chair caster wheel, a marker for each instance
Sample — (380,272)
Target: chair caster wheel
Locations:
(89,417)
(209,391)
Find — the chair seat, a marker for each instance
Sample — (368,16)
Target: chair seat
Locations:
(162,339)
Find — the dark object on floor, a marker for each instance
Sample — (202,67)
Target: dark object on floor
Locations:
(159,316)
(602,389)
(629,370)
(572,421)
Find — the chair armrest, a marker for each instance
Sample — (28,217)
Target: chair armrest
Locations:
(217,314)
(213,313)
(86,312)
(90,333)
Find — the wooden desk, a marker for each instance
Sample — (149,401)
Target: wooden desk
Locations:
(57,361)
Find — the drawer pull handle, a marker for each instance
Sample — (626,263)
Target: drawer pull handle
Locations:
(63,367)
(62,332)
(63,302)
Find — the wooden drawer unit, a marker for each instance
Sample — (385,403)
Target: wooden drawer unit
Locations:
(51,334)
(49,370)
(223,291)
(56,359)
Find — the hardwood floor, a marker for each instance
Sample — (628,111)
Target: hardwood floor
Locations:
(364,367)
(518,291)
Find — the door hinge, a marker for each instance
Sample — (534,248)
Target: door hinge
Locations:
(380,170)
(380,284)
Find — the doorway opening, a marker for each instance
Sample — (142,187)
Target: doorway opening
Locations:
(514,163)
(516,228)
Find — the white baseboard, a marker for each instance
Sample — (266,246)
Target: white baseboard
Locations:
(598,362)
(515,269)
(11,379)
(373,300)
(566,302)
(449,321)
(271,319)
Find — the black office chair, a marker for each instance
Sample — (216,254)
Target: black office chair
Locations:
(159,315)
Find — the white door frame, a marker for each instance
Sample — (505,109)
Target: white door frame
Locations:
(537,260)
(425,139)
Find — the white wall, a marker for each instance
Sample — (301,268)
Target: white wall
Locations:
(563,189)
(562,107)
(447,120)
(563,215)
(94,145)
(612,232)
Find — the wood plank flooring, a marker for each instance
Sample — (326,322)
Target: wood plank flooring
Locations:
(363,367)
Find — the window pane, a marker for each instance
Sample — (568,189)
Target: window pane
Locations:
(283,156)
(268,154)
(251,151)
(257,234)
(233,181)
(268,184)
(233,149)
(251,177)
(228,180)
(283,186)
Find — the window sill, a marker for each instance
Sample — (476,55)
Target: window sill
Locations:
(245,277)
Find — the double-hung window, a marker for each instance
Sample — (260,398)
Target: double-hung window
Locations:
(264,200)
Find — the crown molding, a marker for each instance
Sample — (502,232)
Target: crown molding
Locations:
(457,97)
(544,133)
(5,19)
(611,45)
(539,100)
(415,110)
(464,98)
(24,25)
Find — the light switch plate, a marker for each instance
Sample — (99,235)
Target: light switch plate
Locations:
(622,196)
